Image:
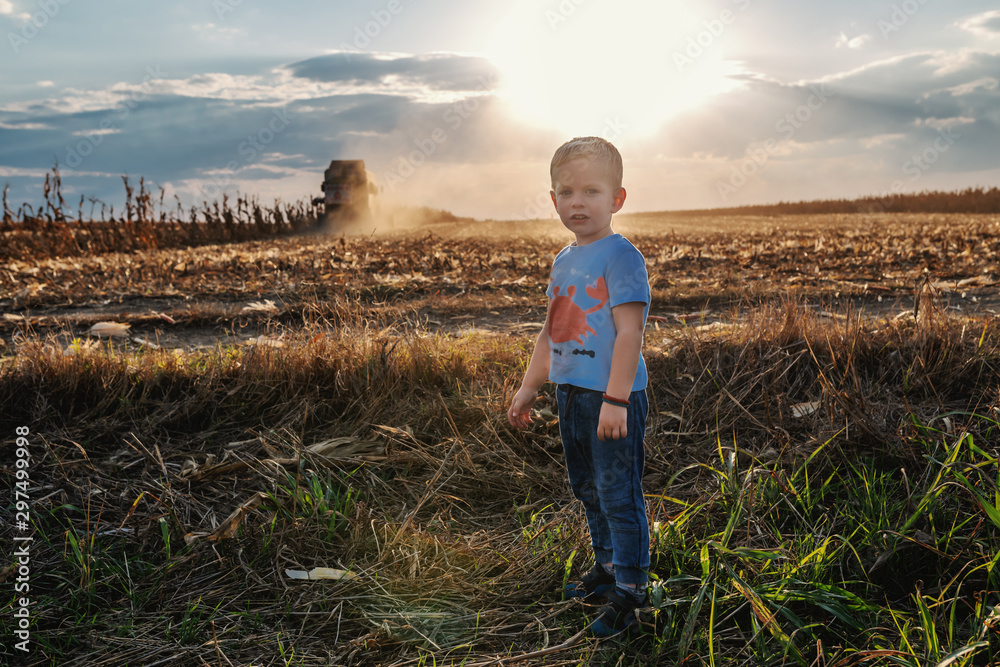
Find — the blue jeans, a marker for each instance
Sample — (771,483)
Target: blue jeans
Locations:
(606,476)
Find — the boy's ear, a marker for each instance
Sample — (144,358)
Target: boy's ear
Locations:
(552,193)
(618,200)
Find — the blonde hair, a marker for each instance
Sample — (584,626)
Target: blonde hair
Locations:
(594,148)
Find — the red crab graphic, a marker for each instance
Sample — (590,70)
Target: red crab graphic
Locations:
(567,321)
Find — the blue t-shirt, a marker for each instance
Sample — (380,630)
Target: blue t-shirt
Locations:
(587,281)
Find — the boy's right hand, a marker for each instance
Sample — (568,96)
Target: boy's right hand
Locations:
(519,414)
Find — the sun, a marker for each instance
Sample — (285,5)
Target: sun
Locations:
(587,67)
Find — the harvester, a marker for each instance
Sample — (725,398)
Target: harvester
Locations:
(347,189)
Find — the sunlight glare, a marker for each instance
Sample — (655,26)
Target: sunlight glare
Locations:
(586,67)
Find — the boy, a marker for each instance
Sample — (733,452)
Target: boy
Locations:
(591,347)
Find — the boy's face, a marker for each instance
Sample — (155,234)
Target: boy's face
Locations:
(585,199)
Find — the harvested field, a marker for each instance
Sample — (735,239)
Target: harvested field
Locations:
(822,448)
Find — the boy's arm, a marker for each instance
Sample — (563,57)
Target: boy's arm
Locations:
(629,323)
(537,374)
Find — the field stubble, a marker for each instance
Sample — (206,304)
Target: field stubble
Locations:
(492,273)
(821,471)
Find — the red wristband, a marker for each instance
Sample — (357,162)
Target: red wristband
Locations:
(620,402)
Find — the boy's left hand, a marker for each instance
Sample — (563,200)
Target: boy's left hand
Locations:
(613,422)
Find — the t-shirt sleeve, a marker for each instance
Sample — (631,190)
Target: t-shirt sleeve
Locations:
(627,278)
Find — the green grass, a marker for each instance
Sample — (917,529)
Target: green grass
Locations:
(322,497)
(812,574)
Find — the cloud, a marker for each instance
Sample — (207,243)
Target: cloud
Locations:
(983,25)
(438,72)
(853,42)
(879,98)
(219,128)
(7,8)
(986,83)
(100,132)
(24,125)
(440,78)
(212,31)
(918,120)
(10,172)
(941,123)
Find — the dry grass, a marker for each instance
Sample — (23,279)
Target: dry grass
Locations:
(460,530)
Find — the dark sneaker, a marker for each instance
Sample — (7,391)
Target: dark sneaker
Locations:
(620,614)
(593,587)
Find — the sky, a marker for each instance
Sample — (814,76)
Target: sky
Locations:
(460,104)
